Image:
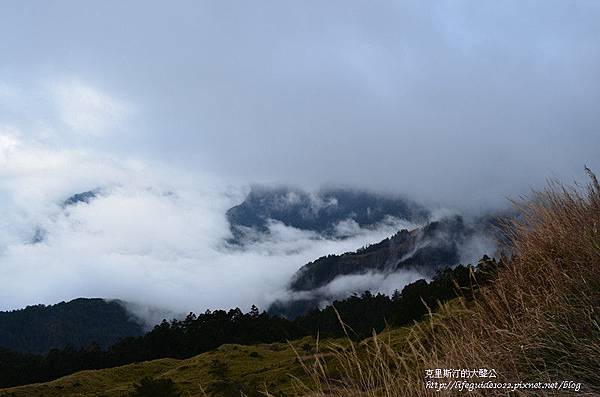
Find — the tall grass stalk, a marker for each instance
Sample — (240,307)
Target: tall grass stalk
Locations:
(538,322)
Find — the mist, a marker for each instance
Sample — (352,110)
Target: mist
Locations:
(152,237)
(173,111)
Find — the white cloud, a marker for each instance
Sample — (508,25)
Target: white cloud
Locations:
(386,283)
(154,236)
(86,109)
(344,286)
(8,141)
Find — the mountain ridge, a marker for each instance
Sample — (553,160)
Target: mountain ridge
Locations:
(78,323)
(426,249)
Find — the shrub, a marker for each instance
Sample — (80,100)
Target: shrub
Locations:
(149,387)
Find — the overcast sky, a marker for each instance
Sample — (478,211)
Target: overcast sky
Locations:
(444,99)
(460,103)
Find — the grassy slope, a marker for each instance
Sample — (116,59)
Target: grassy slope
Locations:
(223,372)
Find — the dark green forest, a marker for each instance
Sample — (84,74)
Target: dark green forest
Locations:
(40,328)
(362,314)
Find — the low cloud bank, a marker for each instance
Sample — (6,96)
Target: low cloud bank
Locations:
(151,236)
(154,235)
(346,285)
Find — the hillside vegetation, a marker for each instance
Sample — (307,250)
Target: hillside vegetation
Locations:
(223,372)
(226,371)
(78,323)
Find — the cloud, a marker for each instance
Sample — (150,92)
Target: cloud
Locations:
(152,236)
(344,286)
(87,110)
(386,283)
(443,102)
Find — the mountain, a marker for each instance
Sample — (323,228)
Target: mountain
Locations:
(320,211)
(423,252)
(78,323)
(424,249)
(83,197)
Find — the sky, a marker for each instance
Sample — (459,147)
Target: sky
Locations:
(181,105)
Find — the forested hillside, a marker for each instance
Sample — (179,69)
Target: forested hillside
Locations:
(426,249)
(78,324)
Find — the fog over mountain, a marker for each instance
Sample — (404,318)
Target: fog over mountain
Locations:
(148,235)
(168,115)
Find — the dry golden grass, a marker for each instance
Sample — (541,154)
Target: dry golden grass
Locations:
(538,322)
